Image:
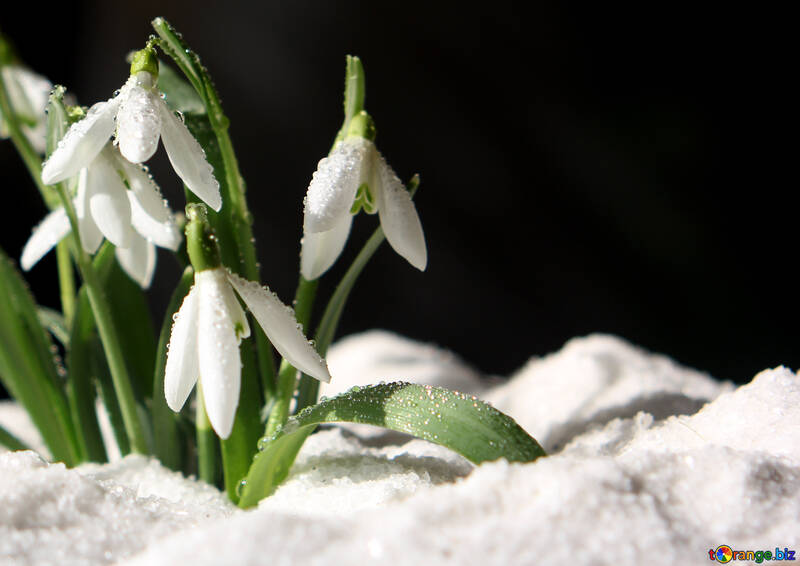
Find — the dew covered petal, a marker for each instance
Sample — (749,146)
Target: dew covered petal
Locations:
(399,218)
(90,234)
(82,142)
(188,158)
(45,236)
(182,368)
(163,234)
(319,251)
(280,325)
(108,202)
(218,350)
(138,123)
(334,184)
(138,260)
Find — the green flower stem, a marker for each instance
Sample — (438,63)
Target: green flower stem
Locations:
(108,334)
(66,279)
(30,157)
(206,442)
(326,331)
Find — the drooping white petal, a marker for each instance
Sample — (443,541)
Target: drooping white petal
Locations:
(218,349)
(147,192)
(91,236)
(165,234)
(108,201)
(399,218)
(334,184)
(82,142)
(27,94)
(280,325)
(138,120)
(138,260)
(183,366)
(188,158)
(44,237)
(319,251)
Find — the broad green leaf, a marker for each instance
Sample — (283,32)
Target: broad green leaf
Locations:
(82,370)
(180,95)
(131,316)
(460,422)
(27,368)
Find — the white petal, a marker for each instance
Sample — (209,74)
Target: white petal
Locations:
(44,237)
(28,94)
(334,184)
(188,158)
(399,218)
(138,260)
(147,192)
(182,368)
(319,251)
(150,213)
(108,202)
(164,234)
(82,142)
(218,350)
(91,236)
(138,124)
(281,327)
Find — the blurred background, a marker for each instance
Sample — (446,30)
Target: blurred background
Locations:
(600,168)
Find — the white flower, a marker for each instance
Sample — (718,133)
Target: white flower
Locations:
(133,220)
(27,95)
(137,116)
(204,343)
(331,194)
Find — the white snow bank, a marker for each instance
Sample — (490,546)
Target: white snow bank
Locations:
(649,461)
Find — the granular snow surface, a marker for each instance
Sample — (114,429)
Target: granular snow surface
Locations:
(650,462)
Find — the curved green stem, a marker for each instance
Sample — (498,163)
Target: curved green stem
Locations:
(108,333)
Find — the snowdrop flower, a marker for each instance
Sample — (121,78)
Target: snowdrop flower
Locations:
(353,176)
(133,220)
(27,95)
(207,330)
(137,116)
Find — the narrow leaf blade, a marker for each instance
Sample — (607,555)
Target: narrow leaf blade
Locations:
(462,423)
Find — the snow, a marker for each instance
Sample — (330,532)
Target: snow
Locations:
(648,460)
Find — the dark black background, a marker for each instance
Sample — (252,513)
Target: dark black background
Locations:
(585,168)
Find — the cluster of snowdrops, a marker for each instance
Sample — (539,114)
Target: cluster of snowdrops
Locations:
(107,215)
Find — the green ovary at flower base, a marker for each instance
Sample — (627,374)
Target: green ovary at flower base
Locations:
(207,330)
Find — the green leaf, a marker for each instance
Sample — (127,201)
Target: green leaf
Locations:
(82,369)
(10,441)
(54,322)
(180,95)
(460,422)
(27,368)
